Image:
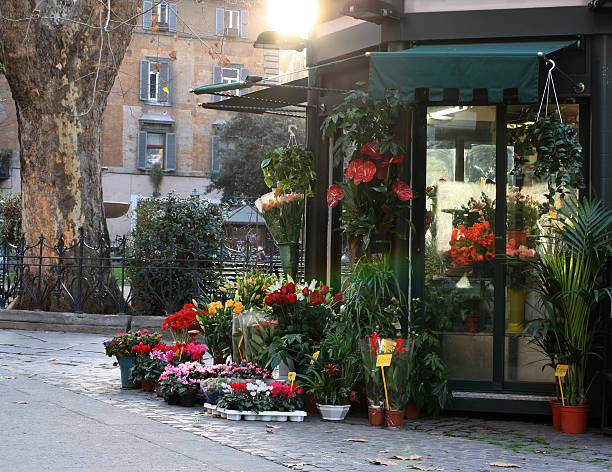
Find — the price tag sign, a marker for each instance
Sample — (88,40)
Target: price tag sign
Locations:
(383,360)
(561,370)
(387,345)
(315,356)
(291,377)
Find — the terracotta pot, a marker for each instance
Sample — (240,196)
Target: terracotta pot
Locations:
(412,411)
(310,404)
(394,418)
(556,414)
(470,324)
(519,236)
(376,415)
(574,419)
(147,386)
(157,389)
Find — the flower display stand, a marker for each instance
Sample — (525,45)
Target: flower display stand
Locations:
(235,415)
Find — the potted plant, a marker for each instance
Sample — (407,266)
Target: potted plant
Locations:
(372,192)
(428,382)
(215,322)
(472,247)
(569,284)
(517,271)
(398,378)
(179,383)
(156,175)
(522,213)
(284,215)
(370,348)
(289,168)
(122,346)
(332,375)
(559,154)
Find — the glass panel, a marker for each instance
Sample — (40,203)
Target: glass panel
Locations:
(155,139)
(459,252)
(153,81)
(526,212)
(155,149)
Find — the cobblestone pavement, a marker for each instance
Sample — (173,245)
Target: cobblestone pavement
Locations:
(75,362)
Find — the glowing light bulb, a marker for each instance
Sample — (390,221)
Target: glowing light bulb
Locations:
(292,16)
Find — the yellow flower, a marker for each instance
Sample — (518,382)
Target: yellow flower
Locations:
(229,303)
(219,305)
(238,308)
(212,310)
(223,289)
(552,214)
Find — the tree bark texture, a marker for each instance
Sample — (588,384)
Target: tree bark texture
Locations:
(61,59)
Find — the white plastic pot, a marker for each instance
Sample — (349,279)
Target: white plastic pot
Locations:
(333,412)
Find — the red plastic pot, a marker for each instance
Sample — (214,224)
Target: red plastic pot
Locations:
(412,411)
(376,415)
(556,414)
(147,386)
(394,418)
(574,419)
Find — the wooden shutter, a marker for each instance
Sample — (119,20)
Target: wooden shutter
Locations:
(172,19)
(215,163)
(144,79)
(147,15)
(220,21)
(244,24)
(164,82)
(170,152)
(141,152)
(217,79)
(244,72)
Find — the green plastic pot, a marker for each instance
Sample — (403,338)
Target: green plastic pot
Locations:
(290,256)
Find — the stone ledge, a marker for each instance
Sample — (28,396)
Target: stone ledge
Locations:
(67,322)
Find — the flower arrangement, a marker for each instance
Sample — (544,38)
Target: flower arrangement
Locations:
(302,313)
(181,379)
(182,324)
(122,345)
(258,396)
(372,193)
(370,348)
(522,211)
(212,389)
(471,245)
(244,370)
(398,373)
(283,215)
(517,255)
(215,322)
(250,288)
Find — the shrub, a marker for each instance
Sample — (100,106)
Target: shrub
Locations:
(10,217)
(175,253)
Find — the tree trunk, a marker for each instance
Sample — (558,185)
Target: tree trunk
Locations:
(60,67)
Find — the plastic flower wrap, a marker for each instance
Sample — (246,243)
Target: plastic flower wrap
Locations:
(283,215)
(397,374)
(215,321)
(370,348)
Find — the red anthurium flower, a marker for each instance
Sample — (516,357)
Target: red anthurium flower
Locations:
(371,149)
(353,168)
(334,195)
(368,172)
(360,171)
(396,159)
(402,190)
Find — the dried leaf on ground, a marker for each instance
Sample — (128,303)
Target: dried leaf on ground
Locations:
(383,451)
(422,467)
(53,359)
(297,464)
(98,8)
(10,378)
(271,431)
(356,440)
(503,464)
(379,461)
(58,66)
(22,403)
(175,36)
(413,457)
(271,426)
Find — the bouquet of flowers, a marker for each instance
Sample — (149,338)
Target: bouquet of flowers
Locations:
(471,245)
(250,289)
(522,211)
(216,324)
(123,344)
(373,379)
(397,374)
(283,215)
(182,324)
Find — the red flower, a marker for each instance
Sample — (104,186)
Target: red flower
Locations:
(396,159)
(371,149)
(290,287)
(330,369)
(305,291)
(334,195)
(400,347)
(374,342)
(402,190)
(324,289)
(360,171)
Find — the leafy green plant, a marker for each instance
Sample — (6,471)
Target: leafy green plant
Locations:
(428,381)
(371,374)
(156,175)
(373,298)
(289,168)
(559,154)
(250,287)
(398,374)
(332,375)
(175,250)
(10,217)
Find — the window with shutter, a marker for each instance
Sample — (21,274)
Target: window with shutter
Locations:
(141,152)
(172,17)
(147,15)
(232,22)
(220,21)
(244,24)
(155,81)
(144,79)
(170,164)
(164,83)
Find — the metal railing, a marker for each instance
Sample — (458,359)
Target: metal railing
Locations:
(103,276)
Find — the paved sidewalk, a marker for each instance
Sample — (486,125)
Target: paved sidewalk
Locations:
(78,418)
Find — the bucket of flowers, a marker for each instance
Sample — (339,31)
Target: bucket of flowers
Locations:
(375,394)
(472,247)
(397,377)
(215,321)
(179,383)
(122,346)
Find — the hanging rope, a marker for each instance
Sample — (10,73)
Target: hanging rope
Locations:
(550,84)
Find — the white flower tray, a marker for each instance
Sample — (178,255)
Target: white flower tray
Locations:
(235,415)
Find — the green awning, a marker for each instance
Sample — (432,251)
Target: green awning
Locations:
(491,66)
(224,87)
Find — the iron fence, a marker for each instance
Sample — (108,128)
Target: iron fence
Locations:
(104,274)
